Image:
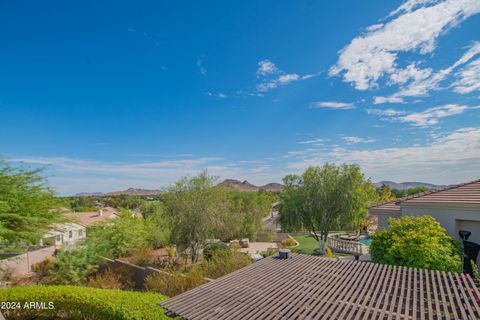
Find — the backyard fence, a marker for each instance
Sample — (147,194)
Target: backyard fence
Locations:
(21,264)
(139,274)
(345,246)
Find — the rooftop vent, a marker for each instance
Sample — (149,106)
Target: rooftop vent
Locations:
(284,254)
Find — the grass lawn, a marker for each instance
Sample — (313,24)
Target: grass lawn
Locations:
(308,245)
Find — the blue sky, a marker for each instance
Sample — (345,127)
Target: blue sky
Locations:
(108,95)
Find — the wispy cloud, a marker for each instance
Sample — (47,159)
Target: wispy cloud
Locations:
(272,77)
(355,140)
(312,141)
(385,112)
(468,78)
(200,66)
(425,80)
(266,67)
(448,159)
(414,26)
(333,105)
(425,118)
(219,95)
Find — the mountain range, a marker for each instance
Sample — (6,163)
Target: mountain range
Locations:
(408,185)
(247,186)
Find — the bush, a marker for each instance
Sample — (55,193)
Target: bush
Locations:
(121,278)
(288,242)
(418,242)
(329,253)
(72,302)
(143,257)
(211,248)
(173,283)
(224,262)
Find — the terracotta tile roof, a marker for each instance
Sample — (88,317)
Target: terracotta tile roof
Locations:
(462,193)
(468,192)
(89,218)
(308,287)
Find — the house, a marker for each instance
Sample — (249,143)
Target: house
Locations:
(456,208)
(89,218)
(65,234)
(309,287)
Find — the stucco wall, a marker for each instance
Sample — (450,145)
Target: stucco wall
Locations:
(22,264)
(449,217)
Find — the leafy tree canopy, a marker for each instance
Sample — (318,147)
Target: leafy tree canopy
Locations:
(28,207)
(325,198)
(416,241)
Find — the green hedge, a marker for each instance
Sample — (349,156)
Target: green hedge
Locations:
(71,302)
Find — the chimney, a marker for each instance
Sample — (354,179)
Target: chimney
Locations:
(284,254)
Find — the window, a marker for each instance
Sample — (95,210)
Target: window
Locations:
(58,238)
(70,234)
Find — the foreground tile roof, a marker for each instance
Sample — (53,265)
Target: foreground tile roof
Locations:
(461,193)
(308,287)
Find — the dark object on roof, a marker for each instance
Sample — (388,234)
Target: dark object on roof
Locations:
(308,287)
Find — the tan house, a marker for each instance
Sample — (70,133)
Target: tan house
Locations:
(456,208)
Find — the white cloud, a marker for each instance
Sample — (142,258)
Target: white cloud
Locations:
(468,78)
(374,54)
(448,159)
(333,105)
(201,68)
(355,140)
(431,116)
(271,77)
(266,67)
(219,95)
(284,79)
(385,112)
(381,100)
(427,81)
(312,141)
(425,118)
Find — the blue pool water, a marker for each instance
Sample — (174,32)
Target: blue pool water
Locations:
(365,241)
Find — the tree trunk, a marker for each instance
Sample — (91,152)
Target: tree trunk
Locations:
(322,243)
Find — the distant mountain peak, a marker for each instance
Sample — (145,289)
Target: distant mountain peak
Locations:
(247,186)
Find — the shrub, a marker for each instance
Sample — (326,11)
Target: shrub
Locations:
(289,242)
(173,283)
(143,257)
(211,248)
(74,303)
(121,278)
(42,268)
(329,254)
(71,267)
(269,252)
(418,242)
(224,262)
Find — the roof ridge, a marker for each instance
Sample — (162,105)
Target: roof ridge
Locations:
(422,194)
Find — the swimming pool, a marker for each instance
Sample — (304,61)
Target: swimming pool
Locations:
(366,241)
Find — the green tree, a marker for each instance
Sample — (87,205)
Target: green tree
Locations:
(158,226)
(385,194)
(72,267)
(197,211)
(119,236)
(28,206)
(325,198)
(247,209)
(416,241)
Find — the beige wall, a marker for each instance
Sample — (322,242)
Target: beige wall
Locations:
(21,265)
(448,215)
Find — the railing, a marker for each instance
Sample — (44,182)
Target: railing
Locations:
(345,246)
